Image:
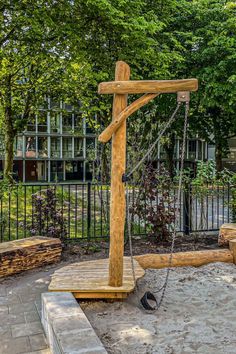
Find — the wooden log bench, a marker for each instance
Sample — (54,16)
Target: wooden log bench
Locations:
(20,255)
(227,233)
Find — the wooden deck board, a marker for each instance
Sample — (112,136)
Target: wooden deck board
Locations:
(90,279)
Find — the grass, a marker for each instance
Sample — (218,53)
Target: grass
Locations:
(81,219)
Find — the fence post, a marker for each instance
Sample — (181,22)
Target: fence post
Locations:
(187,209)
(88,210)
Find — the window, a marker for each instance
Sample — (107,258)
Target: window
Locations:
(19,146)
(31,126)
(67,106)
(89,171)
(54,104)
(67,147)
(90,128)
(41,168)
(30,146)
(78,147)
(56,171)
(55,122)
(200,150)
(192,147)
(55,147)
(90,148)
(74,170)
(78,125)
(42,146)
(67,122)
(42,121)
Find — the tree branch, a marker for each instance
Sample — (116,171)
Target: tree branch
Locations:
(7,36)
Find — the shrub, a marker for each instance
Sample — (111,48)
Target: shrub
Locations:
(155,205)
(49,220)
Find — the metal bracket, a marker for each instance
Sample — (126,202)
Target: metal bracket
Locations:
(183,96)
(125,178)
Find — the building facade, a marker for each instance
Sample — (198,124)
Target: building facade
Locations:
(57,145)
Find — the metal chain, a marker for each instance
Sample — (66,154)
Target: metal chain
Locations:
(174,234)
(127,197)
(167,125)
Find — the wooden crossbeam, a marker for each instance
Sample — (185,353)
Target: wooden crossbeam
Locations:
(149,86)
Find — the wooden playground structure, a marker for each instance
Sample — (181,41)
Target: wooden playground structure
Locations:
(113,278)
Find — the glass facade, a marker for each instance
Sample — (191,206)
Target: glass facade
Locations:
(56,146)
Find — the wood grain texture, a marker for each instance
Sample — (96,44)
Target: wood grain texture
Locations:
(184,259)
(117,203)
(106,135)
(150,86)
(20,255)
(232,247)
(90,279)
(227,233)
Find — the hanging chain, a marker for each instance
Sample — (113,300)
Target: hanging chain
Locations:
(167,125)
(180,182)
(174,234)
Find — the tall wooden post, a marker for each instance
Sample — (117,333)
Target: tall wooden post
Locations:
(118,207)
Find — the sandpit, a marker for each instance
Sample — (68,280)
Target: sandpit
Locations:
(198,314)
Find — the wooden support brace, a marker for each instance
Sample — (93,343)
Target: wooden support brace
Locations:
(151,86)
(106,135)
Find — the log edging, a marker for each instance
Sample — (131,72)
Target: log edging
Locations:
(185,259)
(24,254)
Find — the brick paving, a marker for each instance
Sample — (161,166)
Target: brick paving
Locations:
(21,331)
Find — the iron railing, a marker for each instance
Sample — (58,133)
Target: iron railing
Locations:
(81,211)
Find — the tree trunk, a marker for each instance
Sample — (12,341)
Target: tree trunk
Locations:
(9,135)
(218,157)
(169,149)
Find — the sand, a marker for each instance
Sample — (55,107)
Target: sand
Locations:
(198,314)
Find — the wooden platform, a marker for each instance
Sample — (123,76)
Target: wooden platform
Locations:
(89,280)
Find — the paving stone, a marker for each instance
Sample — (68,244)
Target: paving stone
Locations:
(10,319)
(38,342)
(9,300)
(38,304)
(44,351)
(4,309)
(26,329)
(5,332)
(20,308)
(15,346)
(30,297)
(31,316)
(3,291)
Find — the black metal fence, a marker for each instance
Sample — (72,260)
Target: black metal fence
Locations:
(81,211)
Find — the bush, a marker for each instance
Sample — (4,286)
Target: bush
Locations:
(49,220)
(155,205)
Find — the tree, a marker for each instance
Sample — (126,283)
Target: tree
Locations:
(38,56)
(208,32)
(139,32)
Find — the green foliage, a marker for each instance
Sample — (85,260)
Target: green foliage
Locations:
(38,57)
(65,48)
(155,204)
(209,35)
